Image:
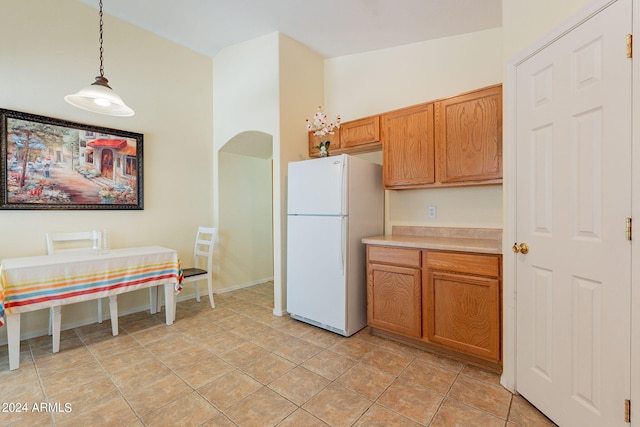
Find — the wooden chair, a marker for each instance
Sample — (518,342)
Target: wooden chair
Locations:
(76,241)
(202,261)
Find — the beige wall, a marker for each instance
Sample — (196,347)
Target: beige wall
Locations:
(48,50)
(383,80)
(525,21)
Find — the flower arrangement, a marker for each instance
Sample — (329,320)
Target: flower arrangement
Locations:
(321,127)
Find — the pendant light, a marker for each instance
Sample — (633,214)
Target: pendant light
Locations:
(98,97)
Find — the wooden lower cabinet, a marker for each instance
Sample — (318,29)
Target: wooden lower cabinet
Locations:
(451,301)
(394,285)
(394,299)
(461,312)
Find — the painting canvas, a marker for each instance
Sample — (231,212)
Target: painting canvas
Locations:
(54,164)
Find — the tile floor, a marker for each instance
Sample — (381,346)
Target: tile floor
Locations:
(240,365)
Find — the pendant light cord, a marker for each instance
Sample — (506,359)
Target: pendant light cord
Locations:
(101,49)
(99,97)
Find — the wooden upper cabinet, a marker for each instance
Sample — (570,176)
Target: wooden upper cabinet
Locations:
(469,137)
(408,147)
(455,141)
(361,134)
(315,141)
(357,136)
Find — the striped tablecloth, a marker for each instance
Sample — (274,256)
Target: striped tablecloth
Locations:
(33,283)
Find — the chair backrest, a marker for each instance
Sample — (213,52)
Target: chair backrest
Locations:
(74,241)
(203,248)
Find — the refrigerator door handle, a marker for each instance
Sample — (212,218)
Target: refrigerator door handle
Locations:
(344,185)
(343,244)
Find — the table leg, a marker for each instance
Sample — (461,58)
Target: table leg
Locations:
(113,310)
(169,295)
(158,289)
(153,299)
(13,340)
(56,320)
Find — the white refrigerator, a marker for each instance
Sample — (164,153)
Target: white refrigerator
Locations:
(333,202)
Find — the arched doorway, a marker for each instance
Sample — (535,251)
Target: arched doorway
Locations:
(245,211)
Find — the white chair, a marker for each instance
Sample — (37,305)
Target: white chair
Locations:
(75,241)
(202,261)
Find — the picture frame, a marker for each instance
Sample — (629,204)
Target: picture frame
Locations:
(48,163)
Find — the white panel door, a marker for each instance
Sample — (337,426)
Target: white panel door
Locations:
(573,143)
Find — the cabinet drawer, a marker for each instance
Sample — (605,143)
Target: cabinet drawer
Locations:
(396,256)
(477,264)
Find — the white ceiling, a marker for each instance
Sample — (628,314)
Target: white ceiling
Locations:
(330,27)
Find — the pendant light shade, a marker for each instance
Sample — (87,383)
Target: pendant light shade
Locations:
(98,97)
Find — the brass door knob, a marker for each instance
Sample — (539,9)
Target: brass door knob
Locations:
(522,248)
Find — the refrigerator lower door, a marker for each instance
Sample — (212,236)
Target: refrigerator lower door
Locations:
(316,279)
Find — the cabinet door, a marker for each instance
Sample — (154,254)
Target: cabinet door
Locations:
(393,299)
(314,141)
(462,313)
(408,147)
(469,137)
(360,135)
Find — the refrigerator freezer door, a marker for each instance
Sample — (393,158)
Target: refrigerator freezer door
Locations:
(316,187)
(316,285)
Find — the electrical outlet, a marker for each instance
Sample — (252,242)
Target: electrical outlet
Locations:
(433,212)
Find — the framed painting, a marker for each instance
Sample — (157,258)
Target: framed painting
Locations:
(48,163)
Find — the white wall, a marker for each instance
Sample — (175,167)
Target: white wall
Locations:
(246,83)
(270,84)
(48,50)
(379,81)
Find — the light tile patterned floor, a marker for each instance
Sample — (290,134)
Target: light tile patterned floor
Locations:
(238,365)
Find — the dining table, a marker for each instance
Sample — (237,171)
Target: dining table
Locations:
(51,281)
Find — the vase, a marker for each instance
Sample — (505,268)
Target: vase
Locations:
(324,149)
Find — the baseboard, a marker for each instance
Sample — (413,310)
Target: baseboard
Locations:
(242,286)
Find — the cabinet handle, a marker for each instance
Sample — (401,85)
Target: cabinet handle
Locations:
(522,248)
